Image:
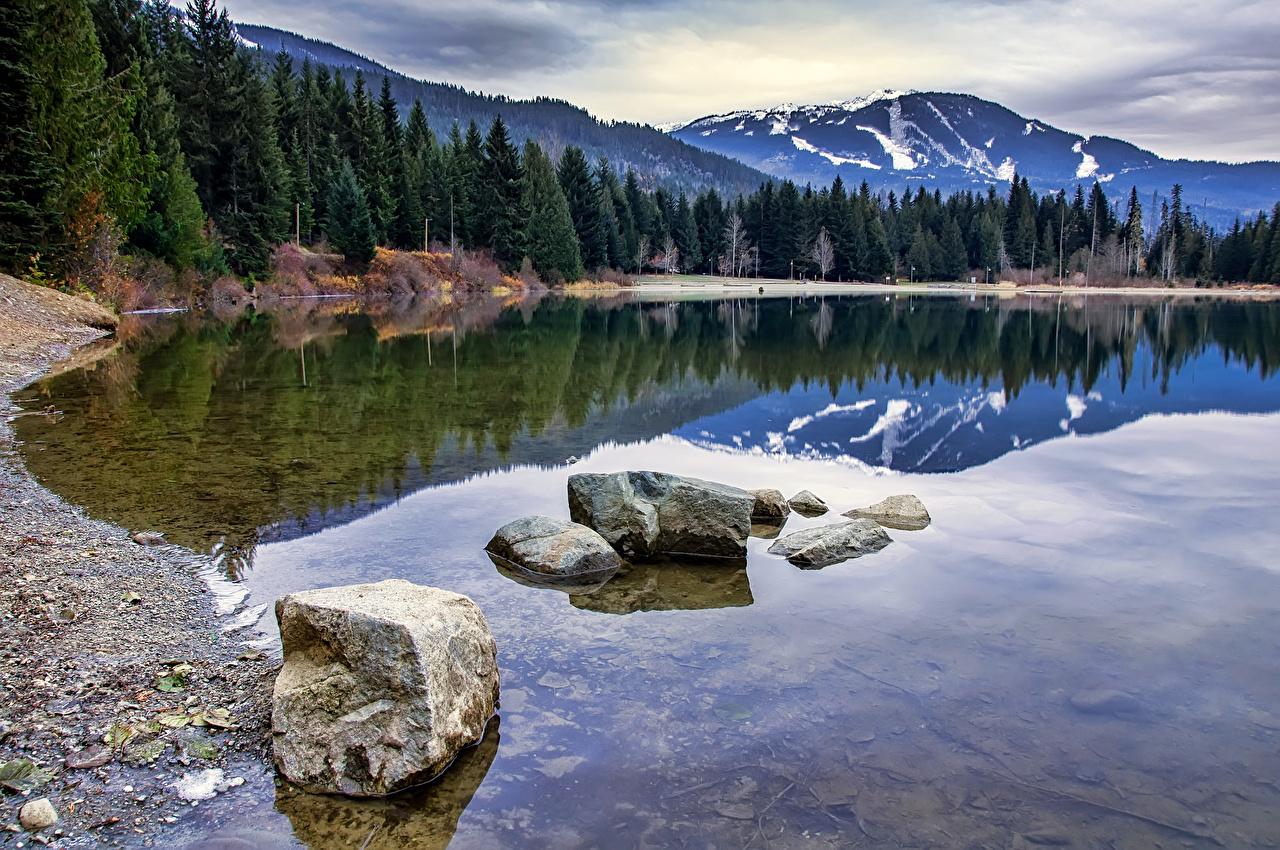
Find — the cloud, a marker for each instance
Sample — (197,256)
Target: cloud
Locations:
(1197,80)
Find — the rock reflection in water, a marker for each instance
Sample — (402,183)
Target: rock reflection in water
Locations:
(670,586)
(420,818)
(584,583)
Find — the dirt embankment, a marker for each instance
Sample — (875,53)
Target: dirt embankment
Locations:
(117,679)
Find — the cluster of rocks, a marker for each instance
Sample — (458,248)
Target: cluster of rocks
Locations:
(641,516)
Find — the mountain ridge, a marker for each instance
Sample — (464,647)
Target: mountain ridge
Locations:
(954,141)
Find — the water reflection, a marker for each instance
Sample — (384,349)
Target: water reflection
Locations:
(669,586)
(420,818)
(231,432)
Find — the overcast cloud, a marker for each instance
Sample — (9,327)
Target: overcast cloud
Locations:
(1185,80)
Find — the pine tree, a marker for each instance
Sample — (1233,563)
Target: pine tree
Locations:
(350,228)
(499,208)
(549,238)
(27,178)
(955,260)
(89,164)
(583,197)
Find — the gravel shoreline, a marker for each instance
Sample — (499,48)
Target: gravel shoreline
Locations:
(117,675)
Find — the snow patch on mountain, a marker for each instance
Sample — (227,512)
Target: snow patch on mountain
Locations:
(834,159)
(902,158)
(1007,170)
(1088,164)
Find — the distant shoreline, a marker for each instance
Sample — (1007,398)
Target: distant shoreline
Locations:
(663,285)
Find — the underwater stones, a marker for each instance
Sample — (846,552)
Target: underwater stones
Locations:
(553,547)
(825,545)
(1108,702)
(382,686)
(644,514)
(807,504)
(903,512)
(769,505)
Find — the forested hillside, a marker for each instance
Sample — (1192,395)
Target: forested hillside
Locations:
(555,124)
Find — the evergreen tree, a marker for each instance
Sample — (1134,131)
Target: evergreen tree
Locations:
(549,238)
(499,209)
(955,260)
(350,228)
(27,179)
(585,208)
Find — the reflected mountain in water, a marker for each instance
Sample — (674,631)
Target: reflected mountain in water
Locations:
(225,432)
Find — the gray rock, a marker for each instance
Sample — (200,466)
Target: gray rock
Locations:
(830,544)
(645,514)
(903,512)
(769,504)
(36,815)
(382,686)
(1108,701)
(553,547)
(149,538)
(808,505)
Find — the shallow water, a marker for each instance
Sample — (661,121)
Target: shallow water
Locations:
(1102,483)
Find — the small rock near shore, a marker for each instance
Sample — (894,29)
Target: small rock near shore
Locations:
(903,512)
(819,547)
(807,504)
(553,547)
(769,505)
(149,538)
(383,685)
(36,815)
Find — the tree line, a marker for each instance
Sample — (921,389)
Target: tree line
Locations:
(138,129)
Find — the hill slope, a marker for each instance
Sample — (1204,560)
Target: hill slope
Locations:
(956,141)
(656,157)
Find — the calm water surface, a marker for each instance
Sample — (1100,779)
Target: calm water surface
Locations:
(1102,478)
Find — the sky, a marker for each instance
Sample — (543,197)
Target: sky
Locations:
(1198,80)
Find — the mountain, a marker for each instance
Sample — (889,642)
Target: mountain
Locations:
(894,139)
(657,158)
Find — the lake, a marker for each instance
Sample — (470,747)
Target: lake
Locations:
(1102,475)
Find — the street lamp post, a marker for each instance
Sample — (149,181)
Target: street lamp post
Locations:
(988,275)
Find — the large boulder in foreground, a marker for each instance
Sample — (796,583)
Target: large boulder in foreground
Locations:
(645,514)
(382,686)
(555,548)
(807,504)
(825,545)
(903,512)
(770,506)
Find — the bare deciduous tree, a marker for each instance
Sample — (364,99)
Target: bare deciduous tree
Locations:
(642,253)
(668,258)
(823,253)
(735,240)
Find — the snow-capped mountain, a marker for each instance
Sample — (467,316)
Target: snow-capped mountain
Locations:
(893,139)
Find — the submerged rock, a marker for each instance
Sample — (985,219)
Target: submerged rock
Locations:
(830,544)
(553,547)
(808,505)
(903,512)
(645,514)
(1108,701)
(769,505)
(382,686)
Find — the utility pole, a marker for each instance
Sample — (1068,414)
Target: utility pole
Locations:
(453,247)
(297,224)
(426,243)
(1032,271)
